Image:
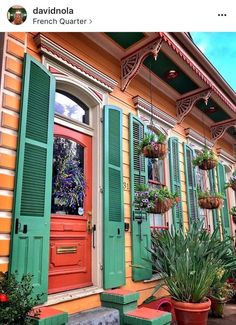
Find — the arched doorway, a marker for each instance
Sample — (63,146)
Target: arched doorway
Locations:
(70,264)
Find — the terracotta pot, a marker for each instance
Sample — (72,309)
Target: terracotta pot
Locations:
(234,186)
(210,202)
(162,206)
(158,152)
(208,164)
(191,313)
(217,307)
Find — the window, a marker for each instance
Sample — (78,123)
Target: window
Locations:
(202,185)
(68,184)
(156,179)
(71,107)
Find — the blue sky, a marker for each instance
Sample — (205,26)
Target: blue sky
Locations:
(220,49)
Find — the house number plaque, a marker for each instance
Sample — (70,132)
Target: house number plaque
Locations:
(67,250)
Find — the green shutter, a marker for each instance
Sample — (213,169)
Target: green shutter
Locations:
(32,202)
(212,181)
(224,211)
(175,182)
(141,233)
(191,189)
(113,229)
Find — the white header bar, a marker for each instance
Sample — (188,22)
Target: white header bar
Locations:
(121,16)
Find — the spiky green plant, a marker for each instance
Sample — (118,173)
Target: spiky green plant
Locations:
(189,261)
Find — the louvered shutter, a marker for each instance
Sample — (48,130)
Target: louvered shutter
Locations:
(191,189)
(175,182)
(32,202)
(113,208)
(212,181)
(141,233)
(224,211)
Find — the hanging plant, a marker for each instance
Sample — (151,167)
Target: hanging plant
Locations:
(206,159)
(232,182)
(163,200)
(154,200)
(153,145)
(233,213)
(207,200)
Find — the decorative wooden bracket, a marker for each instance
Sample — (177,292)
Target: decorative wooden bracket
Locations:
(218,129)
(184,105)
(131,64)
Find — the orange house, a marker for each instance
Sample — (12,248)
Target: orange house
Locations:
(74,106)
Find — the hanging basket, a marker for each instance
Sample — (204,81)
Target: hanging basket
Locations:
(210,202)
(156,151)
(162,206)
(208,164)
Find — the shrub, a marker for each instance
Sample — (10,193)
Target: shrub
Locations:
(16,299)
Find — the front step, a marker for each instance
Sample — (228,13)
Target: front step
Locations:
(96,316)
(147,316)
(126,302)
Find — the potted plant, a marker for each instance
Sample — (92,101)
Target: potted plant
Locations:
(153,145)
(162,200)
(221,291)
(16,300)
(207,200)
(206,159)
(188,262)
(154,200)
(232,182)
(233,213)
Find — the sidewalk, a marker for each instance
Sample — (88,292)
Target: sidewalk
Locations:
(229,319)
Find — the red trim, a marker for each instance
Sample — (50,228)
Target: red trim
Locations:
(55,71)
(196,70)
(159,227)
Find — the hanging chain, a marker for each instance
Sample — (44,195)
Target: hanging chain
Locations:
(204,131)
(150,85)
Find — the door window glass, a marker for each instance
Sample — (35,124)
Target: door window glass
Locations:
(68,185)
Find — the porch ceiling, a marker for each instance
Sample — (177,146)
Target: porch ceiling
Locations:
(183,84)
(126,40)
(217,114)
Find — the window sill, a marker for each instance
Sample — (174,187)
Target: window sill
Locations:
(57,298)
(155,277)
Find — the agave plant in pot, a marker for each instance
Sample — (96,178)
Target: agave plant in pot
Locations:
(206,159)
(210,200)
(153,145)
(232,212)
(188,263)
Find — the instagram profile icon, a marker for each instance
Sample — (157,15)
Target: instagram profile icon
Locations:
(17,15)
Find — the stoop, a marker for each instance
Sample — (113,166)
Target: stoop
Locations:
(126,302)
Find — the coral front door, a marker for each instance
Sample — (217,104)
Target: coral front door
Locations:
(70,235)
